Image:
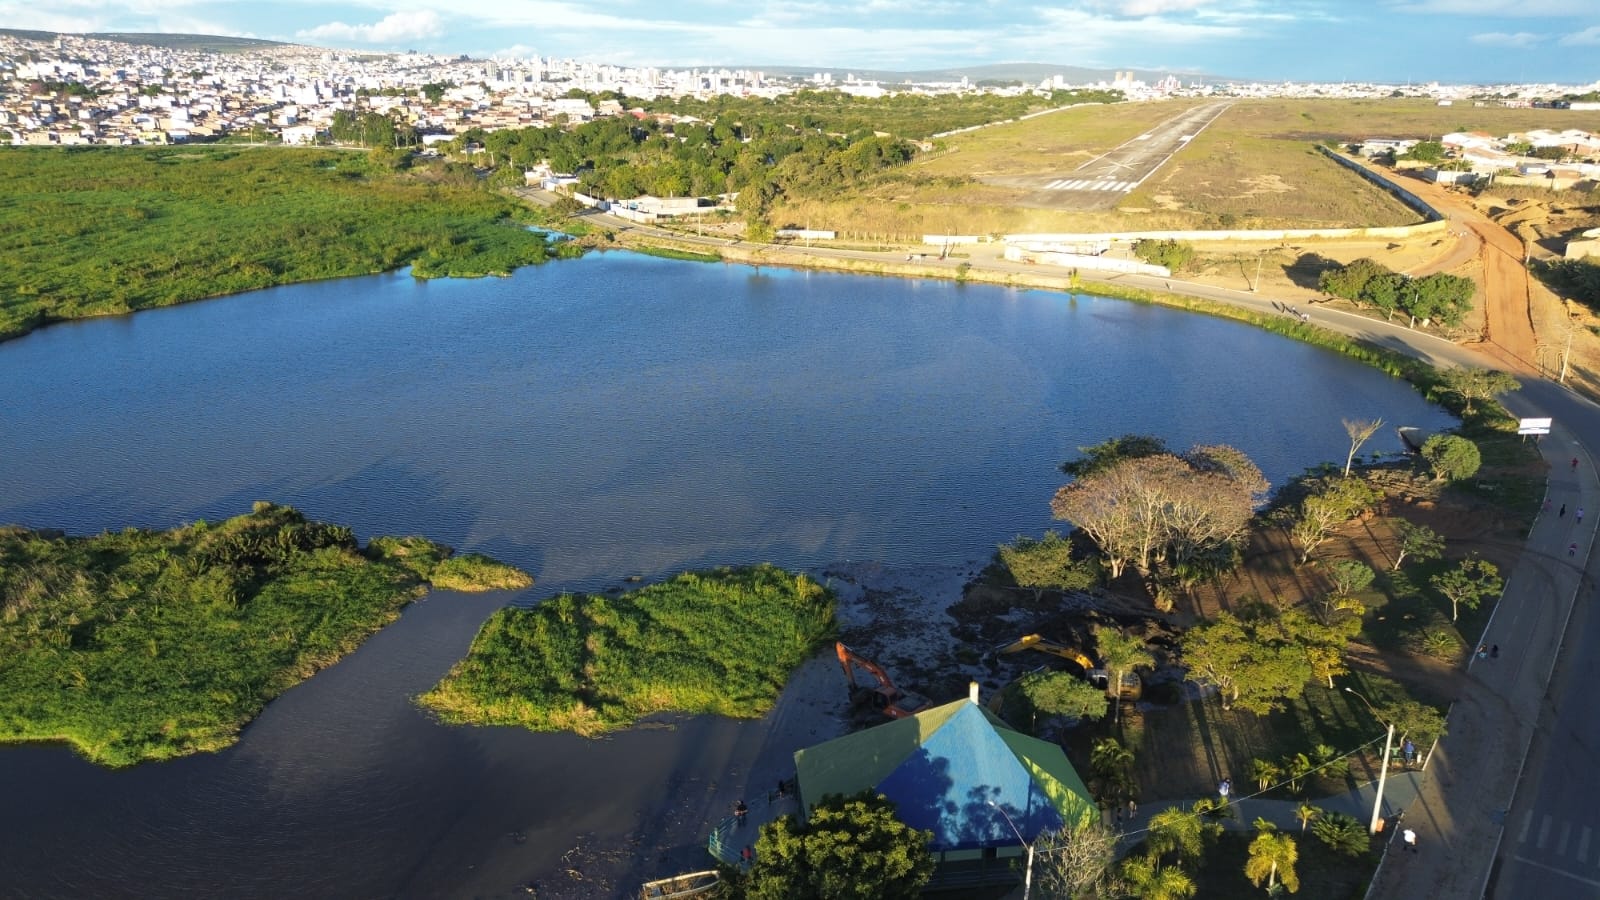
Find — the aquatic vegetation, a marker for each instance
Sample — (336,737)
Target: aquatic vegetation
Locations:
(137,645)
(721,642)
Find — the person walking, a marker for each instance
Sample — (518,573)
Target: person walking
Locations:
(1574,464)
(1580,514)
(1410,751)
(1494,651)
(1224,788)
(1563,513)
(1572,549)
(1410,839)
(1483,651)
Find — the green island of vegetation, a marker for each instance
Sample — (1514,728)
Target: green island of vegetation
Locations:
(141,645)
(720,642)
(105,231)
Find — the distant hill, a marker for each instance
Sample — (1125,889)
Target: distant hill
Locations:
(1029,73)
(205,43)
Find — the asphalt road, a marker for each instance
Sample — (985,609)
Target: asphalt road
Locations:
(1551,843)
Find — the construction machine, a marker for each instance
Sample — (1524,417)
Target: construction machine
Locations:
(1132,687)
(880,694)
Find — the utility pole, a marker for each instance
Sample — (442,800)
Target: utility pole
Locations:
(1383,772)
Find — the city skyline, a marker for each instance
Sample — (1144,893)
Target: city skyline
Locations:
(1468,41)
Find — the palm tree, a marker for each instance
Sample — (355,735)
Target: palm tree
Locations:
(1113,763)
(1265,772)
(1152,881)
(1183,832)
(1272,855)
(1306,813)
(1120,654)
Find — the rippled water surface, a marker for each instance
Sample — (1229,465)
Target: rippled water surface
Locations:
(587,420)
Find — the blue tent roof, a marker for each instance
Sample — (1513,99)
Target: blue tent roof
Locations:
(944,768)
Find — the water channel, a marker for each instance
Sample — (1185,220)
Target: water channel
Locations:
(587,420)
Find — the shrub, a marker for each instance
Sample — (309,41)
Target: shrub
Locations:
(1342,833)
(1175,255)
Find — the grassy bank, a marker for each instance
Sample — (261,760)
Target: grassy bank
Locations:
(720,642)
(103,231)
(140,645)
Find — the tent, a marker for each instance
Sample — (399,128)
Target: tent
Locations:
(953,770)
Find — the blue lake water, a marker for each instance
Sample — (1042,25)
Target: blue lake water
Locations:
(587,420)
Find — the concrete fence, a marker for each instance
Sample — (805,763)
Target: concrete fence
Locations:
(1271,234)
(1400,193)
(1016,253)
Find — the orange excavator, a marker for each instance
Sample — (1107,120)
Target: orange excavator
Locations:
(882,695)
(1132,687)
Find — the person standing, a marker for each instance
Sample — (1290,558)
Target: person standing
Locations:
(1410,839)
(1410,750)
(1224,788)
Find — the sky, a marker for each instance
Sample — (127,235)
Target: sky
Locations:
(1395,41)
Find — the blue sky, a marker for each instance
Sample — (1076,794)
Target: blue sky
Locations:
(1298,40)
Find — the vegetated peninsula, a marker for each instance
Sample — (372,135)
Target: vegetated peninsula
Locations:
(721,642)
(141,645)
(104,231)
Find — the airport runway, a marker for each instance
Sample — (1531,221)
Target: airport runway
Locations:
(1101,182)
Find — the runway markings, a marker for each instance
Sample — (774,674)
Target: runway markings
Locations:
(1090,184)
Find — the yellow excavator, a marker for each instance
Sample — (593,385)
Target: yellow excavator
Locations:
(1132,687)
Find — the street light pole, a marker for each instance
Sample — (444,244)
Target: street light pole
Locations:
(1383,771)
(1027,873)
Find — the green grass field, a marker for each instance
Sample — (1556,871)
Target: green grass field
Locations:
(720,642)
(104,231)
(142,645)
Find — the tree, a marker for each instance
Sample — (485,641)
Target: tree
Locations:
(851,847)
(1359,431)
(1440,296)
(1349,282)
(1105,455)
(1472,385)
(1418,542)
(1468,584)
(1112,763)
(1330,504)
(1307,813)
(1426,151)
(1149,880)
(1342,833)
(1120,654)
(1184,833)
(1144,509)
(1451,457)
(1255,664)
(1272,856)
(1175,255)
(1046,564)
(1062,694)
(1415,720)
(1074,862)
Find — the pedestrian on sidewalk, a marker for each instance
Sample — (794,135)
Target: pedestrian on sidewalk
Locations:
(1494,651)
(1224,788)
(1572,549)
(1483,651)
(1410,839)
(1563,513)
(1547,504)
(1580,514)
(1574,464)
(1132,808)
(1410,750)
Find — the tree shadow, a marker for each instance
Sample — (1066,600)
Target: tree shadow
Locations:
(1307,268)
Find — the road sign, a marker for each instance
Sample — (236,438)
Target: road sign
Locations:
(1533,426)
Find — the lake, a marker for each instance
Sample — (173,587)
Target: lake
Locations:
(587,420)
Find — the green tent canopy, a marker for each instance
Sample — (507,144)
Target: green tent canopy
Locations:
(951,770)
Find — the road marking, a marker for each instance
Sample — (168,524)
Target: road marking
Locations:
(1527,822)
(1583,844)
(1561,843)
(1544,832)
(1548,868)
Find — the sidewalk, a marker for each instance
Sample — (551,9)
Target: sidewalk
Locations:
(1462,800)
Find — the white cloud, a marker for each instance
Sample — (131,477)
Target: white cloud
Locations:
(1519,40)
(1509,8)
(1141,8)
(396,27)
(1589,37)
